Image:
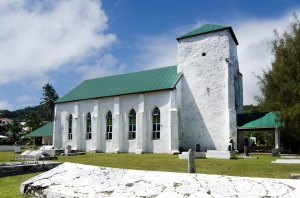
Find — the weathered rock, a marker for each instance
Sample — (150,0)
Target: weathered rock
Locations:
(76,180)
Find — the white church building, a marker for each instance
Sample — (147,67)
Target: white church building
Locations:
(160,110)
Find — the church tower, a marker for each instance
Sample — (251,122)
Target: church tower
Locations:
(210,90)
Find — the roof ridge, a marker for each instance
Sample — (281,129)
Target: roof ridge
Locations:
(131,72)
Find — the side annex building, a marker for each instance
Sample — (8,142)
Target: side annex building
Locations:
(160,110)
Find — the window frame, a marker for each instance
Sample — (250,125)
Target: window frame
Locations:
(156,124)
(132,125)
(109,125)
(88,120)
(70,127)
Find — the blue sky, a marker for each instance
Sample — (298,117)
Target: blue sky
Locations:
(66,42)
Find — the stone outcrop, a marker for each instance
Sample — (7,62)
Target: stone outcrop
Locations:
(76,180)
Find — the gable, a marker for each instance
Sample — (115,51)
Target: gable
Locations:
(137,82)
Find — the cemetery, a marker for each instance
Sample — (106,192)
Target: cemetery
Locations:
(207,169)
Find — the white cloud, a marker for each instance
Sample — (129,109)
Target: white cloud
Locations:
(104,65)
(45,37)
(157,51)
(4,105)
(24,98)
(254,51)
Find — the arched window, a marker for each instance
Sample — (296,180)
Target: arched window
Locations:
(108,125)
(88,126)
(70,127)
(132,124)
(156,124)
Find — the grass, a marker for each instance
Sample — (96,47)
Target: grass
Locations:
(252,167)
(10,186)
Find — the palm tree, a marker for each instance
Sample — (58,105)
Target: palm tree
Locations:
(49,98)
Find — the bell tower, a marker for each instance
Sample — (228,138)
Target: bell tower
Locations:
(210,90)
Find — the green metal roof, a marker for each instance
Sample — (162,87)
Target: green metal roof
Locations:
(270,120)
(46,130)
(244,118)
(209,28)
(137,82)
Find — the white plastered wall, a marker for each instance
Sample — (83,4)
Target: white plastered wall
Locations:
(205,90)
(120,106)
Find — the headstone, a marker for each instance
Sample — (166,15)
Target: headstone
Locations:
(180,149)
(229,147)
(246,151)
(276,152)
(232,144)
(197,147)
(17,149)
(294,175)
(67,150)
(191,162)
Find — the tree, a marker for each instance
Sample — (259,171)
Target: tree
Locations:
(33,121)
(280,86)
(15,130)
(49,98)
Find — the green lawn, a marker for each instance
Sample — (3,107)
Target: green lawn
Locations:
(261,167)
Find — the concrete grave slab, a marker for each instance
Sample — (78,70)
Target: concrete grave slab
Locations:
(286,161)
(185,155)
(16,168)
(220,154)
(76,180)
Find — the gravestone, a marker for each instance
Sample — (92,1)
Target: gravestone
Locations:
(232,144)
(229,147)
(246,151)
(17,149)
(275,152)
(197,147)
(67,150)
(294,175)
(191,162)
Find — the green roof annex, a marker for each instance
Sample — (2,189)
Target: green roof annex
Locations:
(46,130)
(268,121)
(144,81)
